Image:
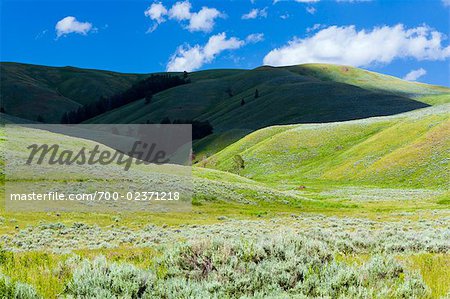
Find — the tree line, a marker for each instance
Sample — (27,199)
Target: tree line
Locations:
(142,89)
(200,128)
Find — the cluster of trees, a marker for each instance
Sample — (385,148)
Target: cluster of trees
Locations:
(200,128)
(142,89)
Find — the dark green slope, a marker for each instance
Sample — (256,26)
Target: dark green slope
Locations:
(308,93)
(302,94)
(28,91)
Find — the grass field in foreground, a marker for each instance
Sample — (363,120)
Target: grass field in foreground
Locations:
(248,236)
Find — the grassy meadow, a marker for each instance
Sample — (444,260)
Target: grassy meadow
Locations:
(349,206)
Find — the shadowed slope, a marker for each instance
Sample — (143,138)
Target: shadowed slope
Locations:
(29,91)
(285,97)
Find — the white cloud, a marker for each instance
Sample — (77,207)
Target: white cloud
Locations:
(311,10)
(415,74)
(188,58)
(71,25)
(156,12)
(285,16)
(255,13)
(446,2)
(307,1)
(346,45)
(181,11)
(203,20)
(254,38)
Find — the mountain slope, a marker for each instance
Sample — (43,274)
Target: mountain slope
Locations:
(287,95)
(28,91)
(410,149)
(311,93)
(370,80)
(308,93)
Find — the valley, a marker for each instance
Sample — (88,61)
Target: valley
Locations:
(326,173)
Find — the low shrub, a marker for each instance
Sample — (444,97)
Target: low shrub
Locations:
(278,267)
(16,290)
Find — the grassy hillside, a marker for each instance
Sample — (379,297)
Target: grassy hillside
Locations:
(340,233)
(301,94)
(307,93)
(32,90)
(310,93)
(370,80)
(410,149)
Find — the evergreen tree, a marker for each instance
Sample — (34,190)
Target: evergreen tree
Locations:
(242,102)
(256,94)
(139,90)
(40,119)
(2,110)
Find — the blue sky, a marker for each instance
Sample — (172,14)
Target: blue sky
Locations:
(401,38)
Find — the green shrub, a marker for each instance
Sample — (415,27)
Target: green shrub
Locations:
(277,267)
(99,279)
(16,290)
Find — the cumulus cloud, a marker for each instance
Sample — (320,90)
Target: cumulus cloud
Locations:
(203,20)
(157,12)
(72,25)
(346,45)
(188,58)
(255,13)
(415,74)
(181,11)
(254,38)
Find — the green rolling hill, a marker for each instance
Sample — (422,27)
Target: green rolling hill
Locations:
(299,94)
(406,150)
(310,93)
(287,95)
(296,94)
(29,91)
